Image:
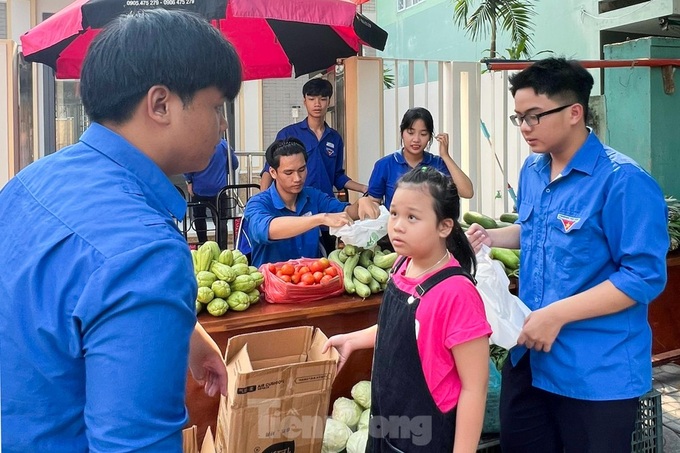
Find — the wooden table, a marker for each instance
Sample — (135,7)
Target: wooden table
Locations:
(335,315)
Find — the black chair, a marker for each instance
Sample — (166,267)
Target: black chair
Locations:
(231,202)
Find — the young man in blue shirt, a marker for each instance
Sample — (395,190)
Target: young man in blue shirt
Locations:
(98,319)
(325,148)
(205,185)
(593,233)
(283,222)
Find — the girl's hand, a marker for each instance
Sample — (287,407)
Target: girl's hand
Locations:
(343,346)
(443,140)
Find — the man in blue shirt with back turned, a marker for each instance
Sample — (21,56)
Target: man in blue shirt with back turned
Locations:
(593,233)
(97,320)
(325,148)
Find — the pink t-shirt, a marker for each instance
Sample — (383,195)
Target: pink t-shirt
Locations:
(449,314)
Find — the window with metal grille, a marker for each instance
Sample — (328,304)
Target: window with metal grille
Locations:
(403,4)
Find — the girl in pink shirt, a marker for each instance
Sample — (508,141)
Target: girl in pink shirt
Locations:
(430,366)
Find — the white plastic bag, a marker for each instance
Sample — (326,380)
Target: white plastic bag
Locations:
(504,311)
(364,233)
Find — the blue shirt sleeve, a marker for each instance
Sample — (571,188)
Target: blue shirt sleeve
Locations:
(377,183)
(259,217)
(634,219)
(136,315)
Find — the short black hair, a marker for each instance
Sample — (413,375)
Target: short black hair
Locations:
(286,147)
(177,49)
(557,78)
(317,87)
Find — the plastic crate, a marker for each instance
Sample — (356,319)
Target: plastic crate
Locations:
(648,434)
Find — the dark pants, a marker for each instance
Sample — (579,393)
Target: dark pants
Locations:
(533,420)
(328,241)
(200,216)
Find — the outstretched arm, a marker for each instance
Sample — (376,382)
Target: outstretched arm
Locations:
(206,363)
(349,342)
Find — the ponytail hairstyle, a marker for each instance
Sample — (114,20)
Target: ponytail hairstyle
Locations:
(446,204)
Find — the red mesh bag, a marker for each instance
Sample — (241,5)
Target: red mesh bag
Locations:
(277,291)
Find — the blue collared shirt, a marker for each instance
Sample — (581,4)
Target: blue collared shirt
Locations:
(210,181)
(265,206)
(387,171)
(604,218)
(325,157)
(98,297)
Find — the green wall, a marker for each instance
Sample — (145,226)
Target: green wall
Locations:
(643,121)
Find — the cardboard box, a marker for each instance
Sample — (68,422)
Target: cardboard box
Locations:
(190,441)
(279,392)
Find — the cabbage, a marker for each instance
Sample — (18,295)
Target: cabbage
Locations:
(364,419)
(357,441)
(335,436)
(347,411)
(361,392)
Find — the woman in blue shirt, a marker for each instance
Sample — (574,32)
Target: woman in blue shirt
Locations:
(417,134)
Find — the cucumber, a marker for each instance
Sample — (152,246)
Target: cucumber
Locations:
(334,256)
(365,258)
(385,261)
(505,256)
(362,289)
(342,256)
(502,224)
(378,273)
(487,222)
(362,274)
(374,286)
(510,217)
(348,272)
(350,250)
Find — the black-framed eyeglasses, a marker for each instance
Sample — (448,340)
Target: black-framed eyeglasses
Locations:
(533,119)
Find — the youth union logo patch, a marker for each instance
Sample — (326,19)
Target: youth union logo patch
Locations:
(568,222)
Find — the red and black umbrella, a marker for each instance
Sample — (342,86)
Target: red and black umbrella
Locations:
(271,36)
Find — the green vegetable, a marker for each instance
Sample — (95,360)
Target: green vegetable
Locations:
(506,256)
(239,258)
(213,247)
(205,278)
(221,289)
(199,307)
(361,289)
(205,294)
(217,307)
(362,274)
(379,274)
(357,441)
(487,222)
(240,268)
(243,283)
(361,392)
(347,411)
(254,296)
(510,217)
(258,277)
(384,261)
(223,272)
(334,256)
(501,224)
(194,259)
(350,250)
(252,269)
(374,286)
(342,256)
(348,272)
(335,436)
(226,257)
(203,259)
(238,301)
(364,420)
(365,258)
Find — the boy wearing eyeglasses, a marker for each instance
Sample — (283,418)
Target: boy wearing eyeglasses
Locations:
(593,233)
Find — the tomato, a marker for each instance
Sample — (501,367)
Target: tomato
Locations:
(303,270)
(271,268)
(324,263)
(318,275)
(287,269)
(295,278)
(279,273)
(330,270)
(326,278)
(308,278)
(315,267)
(285,278)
